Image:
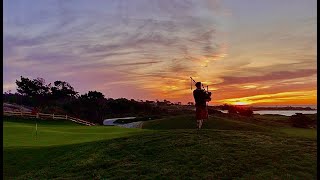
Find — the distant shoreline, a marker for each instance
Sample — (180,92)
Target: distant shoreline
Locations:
(283,108)
(276,108)
(280,112)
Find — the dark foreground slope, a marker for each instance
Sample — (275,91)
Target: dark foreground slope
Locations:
(169,154)
(273,124)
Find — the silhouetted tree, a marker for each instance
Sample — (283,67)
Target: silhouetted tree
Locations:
(93,95)
(224,107)
(33,87)
(93,106)
(36,89)
(62,98)
(62,90)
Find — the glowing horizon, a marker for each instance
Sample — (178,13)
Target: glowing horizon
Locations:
(248,52)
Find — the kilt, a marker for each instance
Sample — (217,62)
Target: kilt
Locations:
(201,112)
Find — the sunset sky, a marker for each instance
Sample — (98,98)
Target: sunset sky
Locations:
(260,52)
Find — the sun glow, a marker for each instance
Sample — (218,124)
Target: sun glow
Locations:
(295,97)
(240,103)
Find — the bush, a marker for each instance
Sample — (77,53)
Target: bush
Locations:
(301,121)
(232,110)
(212,111)
(245,112)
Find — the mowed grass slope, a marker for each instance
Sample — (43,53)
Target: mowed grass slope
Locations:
(22,132)
(225,149)
(188,122)
(274,124)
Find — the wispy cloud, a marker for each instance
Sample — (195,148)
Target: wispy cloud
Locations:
(152,47)
(278,75)
(121,37)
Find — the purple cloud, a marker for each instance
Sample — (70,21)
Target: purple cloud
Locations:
(280,75)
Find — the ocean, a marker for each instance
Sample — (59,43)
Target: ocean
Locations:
(280,112)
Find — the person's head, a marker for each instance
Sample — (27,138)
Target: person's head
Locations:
(198,85)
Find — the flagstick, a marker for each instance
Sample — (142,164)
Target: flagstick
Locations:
(36,128)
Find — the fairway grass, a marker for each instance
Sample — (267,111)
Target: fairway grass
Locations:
(222,123)
(189,122)
(22,132)
(300,132)
(231,150)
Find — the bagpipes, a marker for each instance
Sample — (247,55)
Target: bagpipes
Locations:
(208,94)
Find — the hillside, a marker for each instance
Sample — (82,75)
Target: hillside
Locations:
(272,124)
(21,132)
(15,107)
(174,151)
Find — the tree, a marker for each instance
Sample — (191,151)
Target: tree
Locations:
(225,107)
(190,103)
(62,90)
(93,106)
(94,95)
(166,102)
(35,89)
(7,92)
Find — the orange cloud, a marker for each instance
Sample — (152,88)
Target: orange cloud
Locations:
(296,97)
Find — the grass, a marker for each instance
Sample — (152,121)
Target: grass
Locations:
(274,124)
(172,149)
(22,132)
(276,120)
(188,122)
(300,132)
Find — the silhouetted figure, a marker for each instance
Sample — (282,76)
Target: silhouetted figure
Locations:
(201,98)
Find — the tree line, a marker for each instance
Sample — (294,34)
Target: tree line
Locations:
(241,110)
(61,97)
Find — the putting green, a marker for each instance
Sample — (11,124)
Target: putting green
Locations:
(22,132)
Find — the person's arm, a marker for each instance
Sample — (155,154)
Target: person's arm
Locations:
(195,96)
(203,95)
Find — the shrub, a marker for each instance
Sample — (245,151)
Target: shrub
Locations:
(245,112)
(301,121)
(232,110)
